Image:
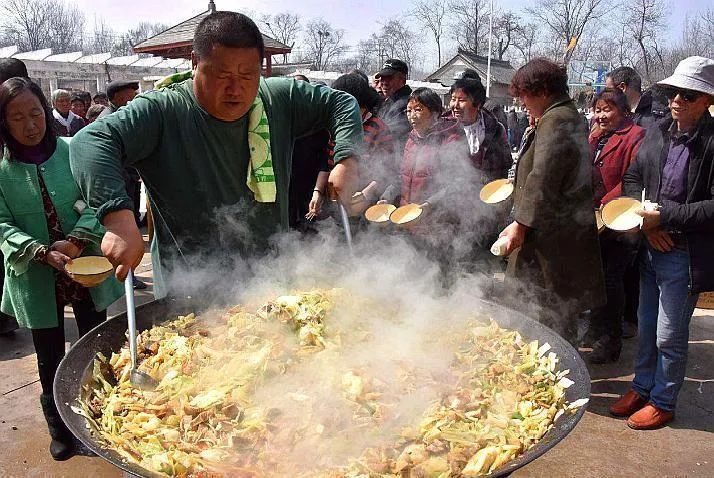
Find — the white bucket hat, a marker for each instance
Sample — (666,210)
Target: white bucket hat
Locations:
(694,73)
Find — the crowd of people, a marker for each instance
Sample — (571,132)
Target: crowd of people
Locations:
(270,148)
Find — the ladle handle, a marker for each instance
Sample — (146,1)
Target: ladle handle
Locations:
(131,316)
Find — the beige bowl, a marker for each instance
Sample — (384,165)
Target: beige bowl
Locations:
(89,271)
(406,216)
(620,214)
(496,191)
(379,213)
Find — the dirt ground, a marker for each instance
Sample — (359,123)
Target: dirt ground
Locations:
(600,446)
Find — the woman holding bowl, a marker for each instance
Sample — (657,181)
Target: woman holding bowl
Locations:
(44,225)
(555,256)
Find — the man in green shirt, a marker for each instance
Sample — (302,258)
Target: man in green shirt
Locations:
(212,150)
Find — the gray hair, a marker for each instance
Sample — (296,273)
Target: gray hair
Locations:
(94,111)
(57,93)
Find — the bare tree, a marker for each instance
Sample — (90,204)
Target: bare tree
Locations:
(470,24)
(398,41)
(621,46)
(506,28)
(393,40)
(102,39)
(430,15)
(645,23)
(567,19)
(696,39)
(37,24)
(370,54)
(323,43)
(124,45)
(591,56)
(284,27)
(525,41)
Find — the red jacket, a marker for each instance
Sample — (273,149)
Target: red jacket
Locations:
(422,157)
(614,159)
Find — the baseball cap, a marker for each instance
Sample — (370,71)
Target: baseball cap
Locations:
(116,86)
(393,66)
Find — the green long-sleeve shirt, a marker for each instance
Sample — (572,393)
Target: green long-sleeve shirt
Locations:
(194,166)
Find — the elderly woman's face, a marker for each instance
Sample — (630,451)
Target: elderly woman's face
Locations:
(608,116)
(463,108)
(535,104)
(25,119)
(420,117)
(62,104)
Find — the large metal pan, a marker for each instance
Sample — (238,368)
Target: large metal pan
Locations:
(75,370)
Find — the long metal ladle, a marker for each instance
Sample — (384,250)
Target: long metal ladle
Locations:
(140,380)
(335,197)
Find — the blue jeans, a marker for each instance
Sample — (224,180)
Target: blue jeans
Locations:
(665,310)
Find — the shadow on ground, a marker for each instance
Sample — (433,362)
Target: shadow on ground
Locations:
(695,408)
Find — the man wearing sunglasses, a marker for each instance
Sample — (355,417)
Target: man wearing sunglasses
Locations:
(675,167)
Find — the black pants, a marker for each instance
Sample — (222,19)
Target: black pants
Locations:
(49,343)
(617,251)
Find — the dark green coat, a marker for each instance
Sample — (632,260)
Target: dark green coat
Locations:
(194,167)
(29,290)
(553,197)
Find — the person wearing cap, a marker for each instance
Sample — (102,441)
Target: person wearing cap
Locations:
(120,93)
(675,169)
(393,83)
(66,123)
(214,149)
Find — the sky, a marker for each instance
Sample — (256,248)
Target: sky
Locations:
(359,18)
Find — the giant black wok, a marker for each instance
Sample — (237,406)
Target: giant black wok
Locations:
(75,370)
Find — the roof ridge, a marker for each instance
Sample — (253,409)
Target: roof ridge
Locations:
(170,28)
(477,57)
(148,43)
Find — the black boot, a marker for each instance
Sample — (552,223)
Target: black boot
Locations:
(62,446)
(606,349)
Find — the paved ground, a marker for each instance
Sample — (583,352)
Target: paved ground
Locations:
(600,446)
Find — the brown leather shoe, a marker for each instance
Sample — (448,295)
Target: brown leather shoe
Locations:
(649,418)
(628,404)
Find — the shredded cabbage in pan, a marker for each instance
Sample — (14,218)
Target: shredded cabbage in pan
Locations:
(204,420)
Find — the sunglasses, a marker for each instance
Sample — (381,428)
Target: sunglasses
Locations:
(687,95)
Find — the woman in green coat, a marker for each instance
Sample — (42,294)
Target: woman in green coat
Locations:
(556,255)
(44,225)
